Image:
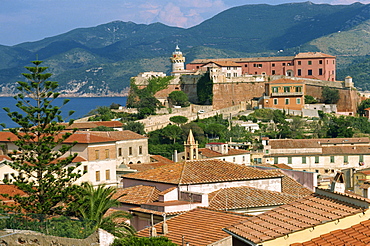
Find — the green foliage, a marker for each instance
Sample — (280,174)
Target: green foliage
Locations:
(137,127)
(143,99)
(340,127)
(101,113)
(172,132)
(198,132)
(330,96)
(60,226)
(179,120)
(92,204)
(179,98)
(114,106)
(359,71)
(103,128)
(45,177)
(309,99)
(143,241)
(363,105)
(205,90)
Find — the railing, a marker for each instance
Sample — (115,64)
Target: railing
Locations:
(277,94)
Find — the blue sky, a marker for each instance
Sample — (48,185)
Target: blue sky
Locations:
(32,20)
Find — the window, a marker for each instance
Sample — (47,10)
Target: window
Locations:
(298,101)
(276,160)
(286,88)
(257,65)
(273,72)
(97,154)
(243,158)
(106,153)
(317,159)
(332,159)
(233,159)
(345,159)
(273,64)
(267,151)
(320,71)
(275,89)
(320,61)
(228,75)
(246,65)
(275,101)
(234,68)
(289,160)
(107,174)
(361,158)
(299,62)
(283,63)
(85,168)
(140,150)
(299,72)
(235,74)
(97,175)
(309,62)
(304,160)
(129,150)
(119,151)
(298,89)
(228,68)
(6,176)
(286,101)
(309,72)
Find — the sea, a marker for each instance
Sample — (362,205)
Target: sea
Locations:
(81,105)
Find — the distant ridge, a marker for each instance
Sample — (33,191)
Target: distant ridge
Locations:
(100,60)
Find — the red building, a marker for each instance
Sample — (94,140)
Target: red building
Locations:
(313,65)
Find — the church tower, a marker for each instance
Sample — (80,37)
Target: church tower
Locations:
(178,61)
(191,147)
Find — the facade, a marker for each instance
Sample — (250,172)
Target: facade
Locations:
(284,94)
(324,156)
(314,65)
(100,154)
(178,61)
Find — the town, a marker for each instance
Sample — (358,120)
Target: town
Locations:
(261,171)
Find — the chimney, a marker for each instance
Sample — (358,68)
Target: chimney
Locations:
(175,156)
(164,225)
(153,231)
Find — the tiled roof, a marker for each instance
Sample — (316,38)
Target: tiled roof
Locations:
(282,166)
(93,124)
(249,59)
(159,161)
(224,63)
(140,194)
(247,197)
(199,226)
(312,55)
(11,190)
(291,186)
(299,215)
(159,158)
(149,211)
(201,171)
(211,153)
(87,137)
(357,235)
(4,157)
(119,135)
(314,143)
(345,150)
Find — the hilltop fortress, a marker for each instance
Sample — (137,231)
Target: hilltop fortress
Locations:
(269,82)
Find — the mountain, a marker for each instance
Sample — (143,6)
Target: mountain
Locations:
(100,60)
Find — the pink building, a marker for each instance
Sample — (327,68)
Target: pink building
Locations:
(313,65)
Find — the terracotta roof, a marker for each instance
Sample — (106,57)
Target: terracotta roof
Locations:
(291,186)
(140,194)
(93,124)
(162,159)
(4,157)
(119,135)
(11,190)
(87,137)
(366,172)
(199,226)
(211,153)
(314,143)
(247,197)
(282,166)
(312,55)
(286,81)
(167,190)
(248,59)
(345,150)
(299,215)
(149,211)
(224,63)
(357,235)
(140,167)
(201,171)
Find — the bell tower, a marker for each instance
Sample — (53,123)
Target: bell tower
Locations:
(178,61)
(191,147)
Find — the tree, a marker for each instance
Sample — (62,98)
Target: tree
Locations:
(330,96)
(172,132)
(340,127)
(363,105)
(43,175)
(205,90)
(93,203)
(179,120)
(137,127)
(143,241)
(309,99)
(101,113)
(179,98)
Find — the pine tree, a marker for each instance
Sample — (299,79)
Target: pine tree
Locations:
(45,170)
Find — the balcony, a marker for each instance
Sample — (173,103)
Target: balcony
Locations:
(284,94)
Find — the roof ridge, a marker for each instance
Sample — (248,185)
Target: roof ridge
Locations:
(182,172)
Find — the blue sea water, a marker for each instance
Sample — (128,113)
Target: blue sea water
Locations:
(81,106)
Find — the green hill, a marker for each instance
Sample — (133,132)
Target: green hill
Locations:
(100,60)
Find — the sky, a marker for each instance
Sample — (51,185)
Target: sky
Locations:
(32,20)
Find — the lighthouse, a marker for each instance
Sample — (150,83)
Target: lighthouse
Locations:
(178,61)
